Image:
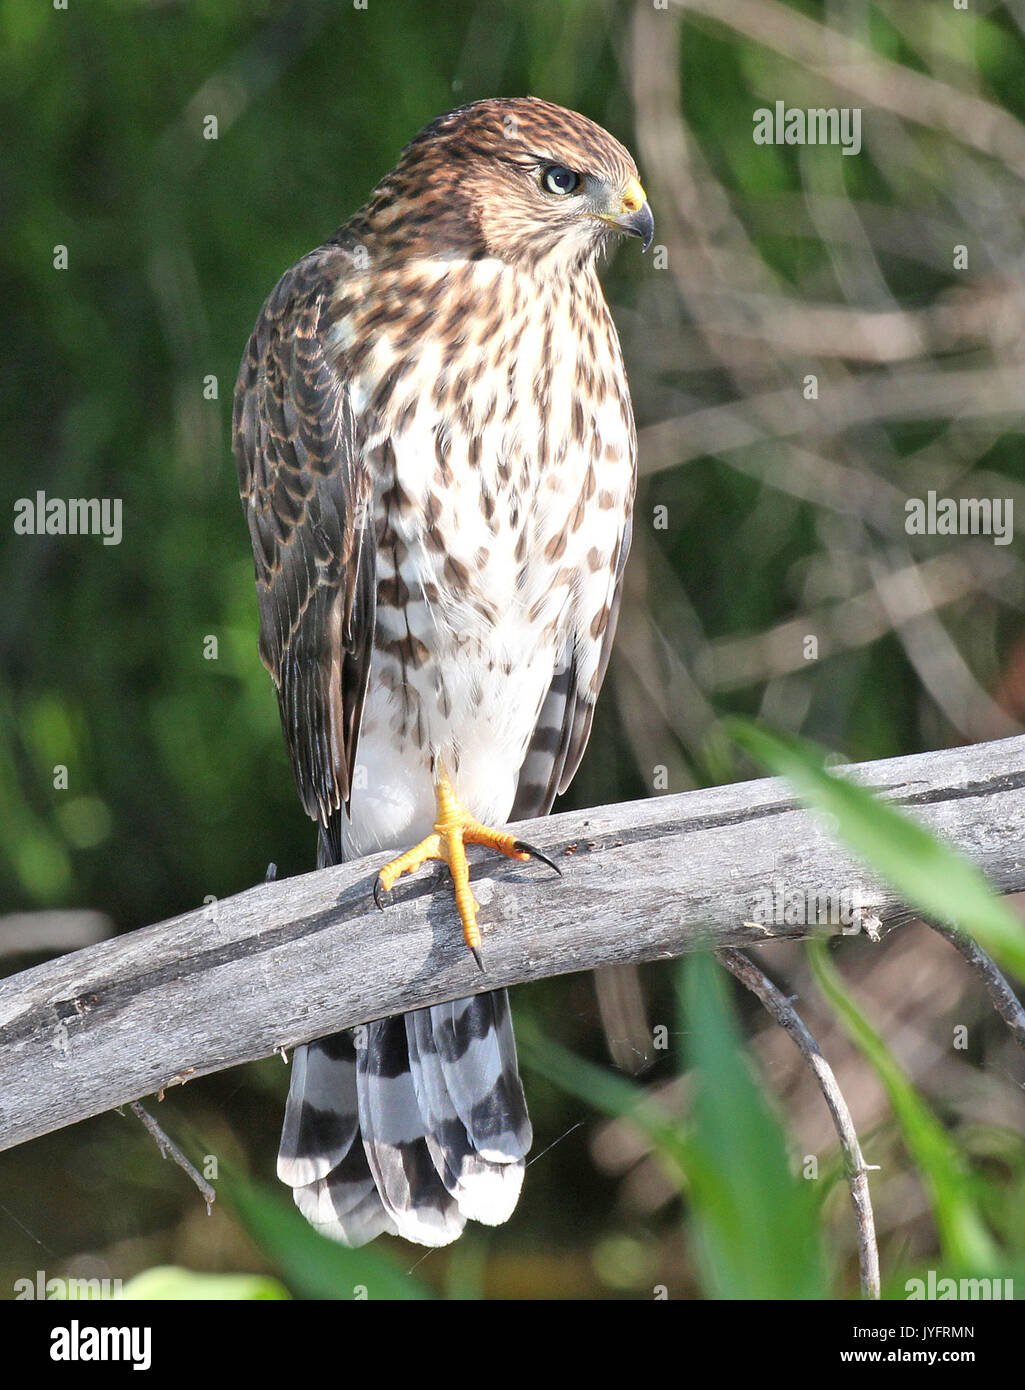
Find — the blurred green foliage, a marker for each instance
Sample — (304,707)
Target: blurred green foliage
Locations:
(166,1283)
(754,1223)
(929,874)
(314,1266)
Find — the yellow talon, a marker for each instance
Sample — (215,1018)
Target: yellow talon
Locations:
(453,830)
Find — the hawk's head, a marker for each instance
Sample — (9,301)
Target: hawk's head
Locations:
(515,178)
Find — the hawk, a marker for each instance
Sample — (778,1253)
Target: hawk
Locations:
(436,455)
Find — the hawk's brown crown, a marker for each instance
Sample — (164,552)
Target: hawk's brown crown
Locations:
(478,182)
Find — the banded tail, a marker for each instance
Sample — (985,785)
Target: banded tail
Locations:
(411,1125)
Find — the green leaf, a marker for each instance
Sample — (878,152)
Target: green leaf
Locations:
(937,880)
(312,1265)
(755,1222)
(966,1242)
(607,1092)
(169,1282)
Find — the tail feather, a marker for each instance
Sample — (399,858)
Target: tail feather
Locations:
(393,1130)
(361,1221)
(320,1156)
(417,1130)
(364,1223)
(321,1117)
(474,1041)
(336,1197)
(485,1191)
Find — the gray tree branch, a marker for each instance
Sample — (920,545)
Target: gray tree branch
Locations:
(854,1163)
(291,960)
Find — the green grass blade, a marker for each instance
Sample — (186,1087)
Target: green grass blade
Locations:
(965,1241)
(312,1265)
(755,1223)
(932,877)
(606,1092)
(758,1223)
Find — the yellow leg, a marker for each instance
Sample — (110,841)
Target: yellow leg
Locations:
(453,830)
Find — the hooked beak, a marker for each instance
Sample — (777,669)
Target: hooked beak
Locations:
(633,215)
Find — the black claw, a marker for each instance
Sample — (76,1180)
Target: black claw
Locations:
(377,893)
(524,848)
(476,955)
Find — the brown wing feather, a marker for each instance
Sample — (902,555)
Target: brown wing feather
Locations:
(308,503)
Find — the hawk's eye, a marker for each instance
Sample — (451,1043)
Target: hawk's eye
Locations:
(556,178)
